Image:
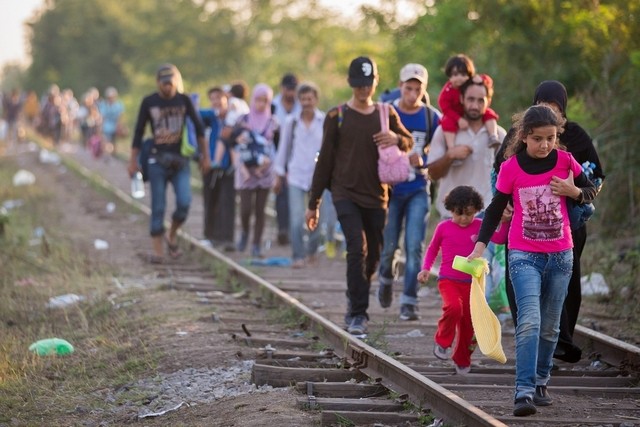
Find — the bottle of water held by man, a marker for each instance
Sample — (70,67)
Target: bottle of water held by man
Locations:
(137,186)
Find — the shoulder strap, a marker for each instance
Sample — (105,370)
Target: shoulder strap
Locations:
(290,146)
(429,116)
(340,115)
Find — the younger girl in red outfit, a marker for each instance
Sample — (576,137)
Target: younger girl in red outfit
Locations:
(459,69)
(456,236)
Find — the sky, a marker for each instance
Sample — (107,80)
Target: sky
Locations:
(14,13)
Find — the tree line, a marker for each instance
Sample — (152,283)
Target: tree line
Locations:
(592,46)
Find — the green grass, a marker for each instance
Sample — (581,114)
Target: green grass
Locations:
(109,352)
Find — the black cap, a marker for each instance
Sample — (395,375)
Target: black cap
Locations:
(166,72)
(289,81)
(362,72)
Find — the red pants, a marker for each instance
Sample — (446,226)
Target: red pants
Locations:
(456,320)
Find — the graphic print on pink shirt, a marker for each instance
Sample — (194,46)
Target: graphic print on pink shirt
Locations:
(541,214)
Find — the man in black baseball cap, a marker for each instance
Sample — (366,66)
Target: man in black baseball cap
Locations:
(348,166)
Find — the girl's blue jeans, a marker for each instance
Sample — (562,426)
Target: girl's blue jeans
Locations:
(540,282)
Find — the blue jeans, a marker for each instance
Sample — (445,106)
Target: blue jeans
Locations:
(412,209)
(328,216)
(297,206)
(362,228)
(159,176)
(540,282)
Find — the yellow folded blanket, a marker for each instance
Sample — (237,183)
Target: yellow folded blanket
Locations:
(485,323)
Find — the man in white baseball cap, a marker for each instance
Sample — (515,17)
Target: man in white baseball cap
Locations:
(409,201)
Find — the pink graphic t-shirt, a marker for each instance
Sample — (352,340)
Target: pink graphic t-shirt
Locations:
(540,219)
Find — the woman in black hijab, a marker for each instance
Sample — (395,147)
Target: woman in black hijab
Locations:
(580,145)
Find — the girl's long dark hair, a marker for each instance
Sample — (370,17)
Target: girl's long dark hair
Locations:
(534,117)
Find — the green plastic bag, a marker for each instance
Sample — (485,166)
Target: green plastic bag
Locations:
(189,145)
(51,346)
(186,148)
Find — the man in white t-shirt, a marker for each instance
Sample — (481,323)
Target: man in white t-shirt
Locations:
(471,160)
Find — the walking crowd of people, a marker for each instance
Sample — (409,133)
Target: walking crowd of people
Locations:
(525,190)
(59,116)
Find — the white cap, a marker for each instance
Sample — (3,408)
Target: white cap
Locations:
(414,71)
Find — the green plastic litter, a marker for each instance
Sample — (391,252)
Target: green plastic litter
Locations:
(51,346)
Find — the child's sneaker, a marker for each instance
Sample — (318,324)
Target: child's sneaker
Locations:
(440,352)
(462,370)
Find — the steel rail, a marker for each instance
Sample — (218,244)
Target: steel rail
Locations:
(608,349)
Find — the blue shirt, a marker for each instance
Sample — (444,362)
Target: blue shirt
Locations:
(111,113)
(211,121)
(416,123)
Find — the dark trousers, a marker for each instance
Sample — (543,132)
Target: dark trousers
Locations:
(219,206)
(362,229)
(572,302)
(253,202)
(282,213)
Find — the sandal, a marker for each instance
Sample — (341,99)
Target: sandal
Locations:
(174,250)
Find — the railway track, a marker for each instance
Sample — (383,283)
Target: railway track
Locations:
(390,377)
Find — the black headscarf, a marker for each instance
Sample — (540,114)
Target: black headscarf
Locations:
(574,137)
(552,91)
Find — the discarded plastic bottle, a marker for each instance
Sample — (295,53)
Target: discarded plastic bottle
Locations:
(137,186)
(51,346)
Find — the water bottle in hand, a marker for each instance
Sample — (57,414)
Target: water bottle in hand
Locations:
(137,186)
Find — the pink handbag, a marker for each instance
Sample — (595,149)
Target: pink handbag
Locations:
(393,164)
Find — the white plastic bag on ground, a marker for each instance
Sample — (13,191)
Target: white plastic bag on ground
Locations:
(100,244)
(64,300)
(23,177)
(49,157)
(594,284)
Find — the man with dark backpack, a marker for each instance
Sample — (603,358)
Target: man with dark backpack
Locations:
(409,202)
(348,166)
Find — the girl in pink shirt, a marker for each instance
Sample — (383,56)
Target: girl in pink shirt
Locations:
(456,236)
(539,178)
